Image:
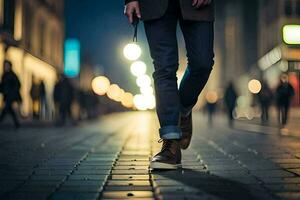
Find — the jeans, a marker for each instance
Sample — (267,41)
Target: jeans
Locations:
(172,102)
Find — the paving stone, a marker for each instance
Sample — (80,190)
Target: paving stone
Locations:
(80,188)
(272,173)
(84,183)
(130,177)
(289,195)
(91,172)
(88,177)
(47,177)
(295,171)
(133,172)
(123,167)
(74,196)
(127,194)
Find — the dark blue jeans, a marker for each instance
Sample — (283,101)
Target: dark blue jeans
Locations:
(171,101)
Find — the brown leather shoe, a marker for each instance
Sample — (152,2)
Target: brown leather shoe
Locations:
(169,157)
(186,125)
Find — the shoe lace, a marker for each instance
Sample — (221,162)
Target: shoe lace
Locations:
(166,144)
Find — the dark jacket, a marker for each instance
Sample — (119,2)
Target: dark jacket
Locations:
(10,87)
(284,94)
(63,93)
(154,9)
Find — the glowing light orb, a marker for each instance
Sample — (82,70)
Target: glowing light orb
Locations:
(147,90)
(139,102)
(211,97)
(138,68)
(132,51)
(254,86)
(100,85)
(127,100)
(143,81)
(114,92)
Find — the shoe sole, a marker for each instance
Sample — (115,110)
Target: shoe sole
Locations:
(159,165)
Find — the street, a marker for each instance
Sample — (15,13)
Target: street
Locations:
(108,159)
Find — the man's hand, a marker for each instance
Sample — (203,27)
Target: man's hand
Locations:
(130,8)
(200,3)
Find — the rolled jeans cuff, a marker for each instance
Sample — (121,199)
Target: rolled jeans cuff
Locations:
(185,111)
(170,132)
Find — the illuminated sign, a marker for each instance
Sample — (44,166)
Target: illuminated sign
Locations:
(291,34)
(72,58)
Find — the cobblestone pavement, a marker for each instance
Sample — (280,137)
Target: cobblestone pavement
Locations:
(109,158)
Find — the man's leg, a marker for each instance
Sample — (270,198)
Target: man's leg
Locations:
(161,35)
(13,115)
(199,40)
(3,113)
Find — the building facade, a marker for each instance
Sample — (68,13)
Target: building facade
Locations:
(276,55)
(31,37)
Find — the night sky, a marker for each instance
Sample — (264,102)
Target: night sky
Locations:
(103,31)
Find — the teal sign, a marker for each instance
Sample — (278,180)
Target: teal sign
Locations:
(72,58)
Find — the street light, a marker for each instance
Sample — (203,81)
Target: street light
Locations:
(138,68)
(132,51)
(254,86)
(100,85)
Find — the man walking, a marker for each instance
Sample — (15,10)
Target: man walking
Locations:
(174,106)
(10,88)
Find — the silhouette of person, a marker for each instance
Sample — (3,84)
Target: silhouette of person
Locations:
(211,105)
(10,88)
(265,97)
(63,97)
(230,98)
(284,95)
(43,99)
(35,97)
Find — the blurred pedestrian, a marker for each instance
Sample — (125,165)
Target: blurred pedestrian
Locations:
(230,98)
(211,105)
(265,97)
(10,88)
(35,98)
(284,95)
(43,100)
(63,98)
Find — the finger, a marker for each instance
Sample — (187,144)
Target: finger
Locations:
(130,17)
(194,2)
(138,12)
(199,3)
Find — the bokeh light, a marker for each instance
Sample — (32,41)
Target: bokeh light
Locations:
(127,100)
(147,90)
(139,102)
(114,92)
(143,81)
(254,86)
(211,97)
(138,68)
(132,51)
(100,85)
